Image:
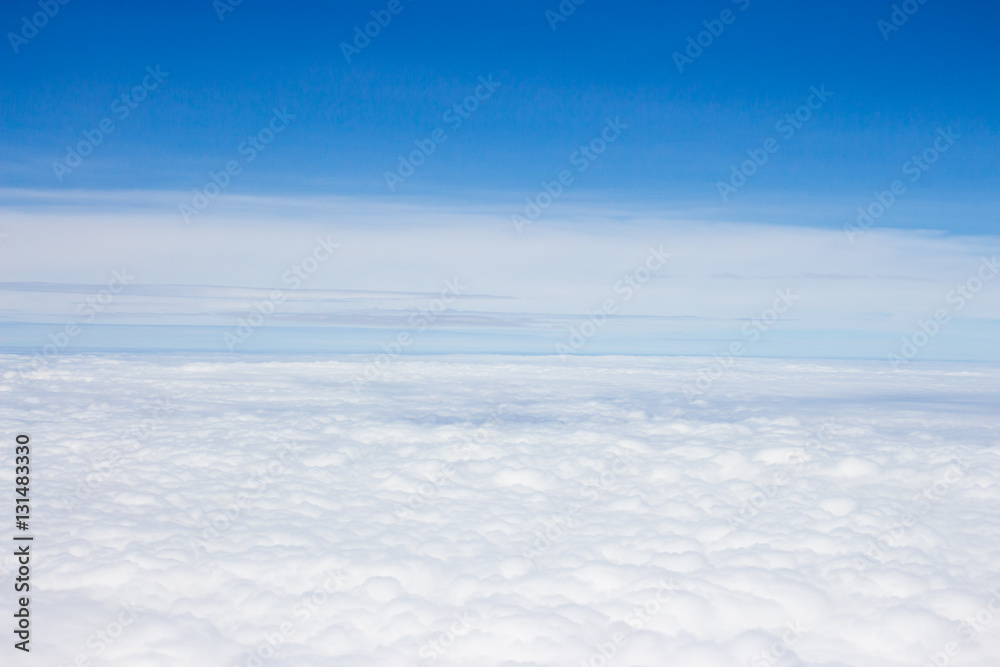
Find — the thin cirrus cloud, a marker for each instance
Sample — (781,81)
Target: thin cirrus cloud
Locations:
(853,295)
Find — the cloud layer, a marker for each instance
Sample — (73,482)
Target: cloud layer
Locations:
(487,511)
(351,274)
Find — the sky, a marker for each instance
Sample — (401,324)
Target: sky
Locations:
(535,150)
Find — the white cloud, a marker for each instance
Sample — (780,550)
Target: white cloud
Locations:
(856,299)
(325,538)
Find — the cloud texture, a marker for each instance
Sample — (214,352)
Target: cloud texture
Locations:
(510,511)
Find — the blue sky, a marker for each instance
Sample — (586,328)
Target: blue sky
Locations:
(669,132)
(557,87)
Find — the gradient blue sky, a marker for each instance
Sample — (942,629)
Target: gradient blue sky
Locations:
(655,184)
(558,87)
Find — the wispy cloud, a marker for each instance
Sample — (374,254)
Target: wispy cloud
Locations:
(393,257)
